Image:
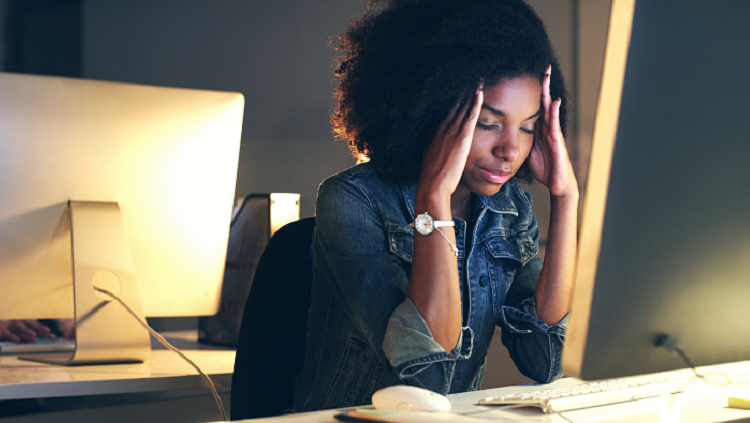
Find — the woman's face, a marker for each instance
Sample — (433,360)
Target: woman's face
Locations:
(504,134)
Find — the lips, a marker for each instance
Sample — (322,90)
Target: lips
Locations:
(496,176)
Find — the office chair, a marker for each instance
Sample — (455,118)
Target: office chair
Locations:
(271,346)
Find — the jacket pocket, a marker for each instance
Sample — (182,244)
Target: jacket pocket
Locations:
(358,373)
(518,246)
(505,255)
(400,240)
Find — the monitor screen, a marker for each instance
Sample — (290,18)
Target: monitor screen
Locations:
(665,231)
(166,157)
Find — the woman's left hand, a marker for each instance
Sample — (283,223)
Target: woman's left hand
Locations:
(549,160)
(551,166)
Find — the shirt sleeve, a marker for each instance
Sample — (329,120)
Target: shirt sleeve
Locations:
(413,352)
(353,251)
(534,346)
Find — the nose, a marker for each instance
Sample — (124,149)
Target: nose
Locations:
(508,146)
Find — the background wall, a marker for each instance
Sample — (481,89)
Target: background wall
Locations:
(277,54)
(274,52)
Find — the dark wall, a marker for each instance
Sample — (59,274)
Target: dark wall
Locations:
(274,52)
(42,37)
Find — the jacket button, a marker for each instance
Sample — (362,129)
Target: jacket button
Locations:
(483,280)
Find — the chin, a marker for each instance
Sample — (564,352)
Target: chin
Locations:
(487,190)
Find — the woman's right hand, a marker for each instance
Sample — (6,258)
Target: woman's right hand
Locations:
(445,157)
(433,284)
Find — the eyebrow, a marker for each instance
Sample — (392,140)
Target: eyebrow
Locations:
(499,113)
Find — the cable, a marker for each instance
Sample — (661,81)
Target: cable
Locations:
(561,415)
(670,344)
(169,346)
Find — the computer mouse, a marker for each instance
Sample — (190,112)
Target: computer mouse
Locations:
(409,398)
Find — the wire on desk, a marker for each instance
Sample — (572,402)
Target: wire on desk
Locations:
(670,344)
(169,346)
(561,415)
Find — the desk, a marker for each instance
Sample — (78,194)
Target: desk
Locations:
(165,371)
(701,402)
(164,376)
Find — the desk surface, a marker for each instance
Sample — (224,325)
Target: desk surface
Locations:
(164,371)
(701,402)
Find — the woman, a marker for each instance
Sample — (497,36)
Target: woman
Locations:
(422,251)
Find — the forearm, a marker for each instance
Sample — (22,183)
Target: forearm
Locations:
(433,285)
(554,289)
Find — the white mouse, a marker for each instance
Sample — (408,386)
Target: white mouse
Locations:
(409,398)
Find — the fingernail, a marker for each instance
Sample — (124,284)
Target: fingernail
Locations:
(549,71)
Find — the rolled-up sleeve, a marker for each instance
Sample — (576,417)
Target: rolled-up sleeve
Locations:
(353,251)
(413,352)
(534,346)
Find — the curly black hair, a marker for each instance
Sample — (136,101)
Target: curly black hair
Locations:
(405,63)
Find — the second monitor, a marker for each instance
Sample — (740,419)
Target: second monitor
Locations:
(160,162)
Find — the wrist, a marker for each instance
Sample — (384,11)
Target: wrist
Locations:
(569,194)
(565,202)
(435,203)
(425,224)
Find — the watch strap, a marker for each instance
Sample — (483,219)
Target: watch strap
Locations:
(443,223)
(435,226)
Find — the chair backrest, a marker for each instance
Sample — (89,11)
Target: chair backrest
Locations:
(271,347)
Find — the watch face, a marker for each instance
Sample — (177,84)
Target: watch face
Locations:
(424,224)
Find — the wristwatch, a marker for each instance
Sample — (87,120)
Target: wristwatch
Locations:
(425,223)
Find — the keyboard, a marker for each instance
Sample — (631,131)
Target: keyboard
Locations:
(591,394)
(42,345)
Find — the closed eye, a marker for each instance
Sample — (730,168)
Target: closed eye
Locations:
(528,131)
(486,127)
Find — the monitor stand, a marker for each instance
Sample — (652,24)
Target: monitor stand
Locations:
(101,257)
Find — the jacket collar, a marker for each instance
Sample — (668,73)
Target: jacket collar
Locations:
(498,203)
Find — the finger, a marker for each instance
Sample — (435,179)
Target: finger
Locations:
(454,114)
(38,328)
(546,97)
(541,131)
(48,335)
(470,108)
(462,114)
(455,110)
(470,122)
(28,339)
(20,328)
(555,118)
(21,331)
(34,329)
(7,335)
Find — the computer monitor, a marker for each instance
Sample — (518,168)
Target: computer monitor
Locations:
(664,247)
(118,180)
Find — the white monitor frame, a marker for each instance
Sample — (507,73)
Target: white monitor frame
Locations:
(168,157)
(603,145)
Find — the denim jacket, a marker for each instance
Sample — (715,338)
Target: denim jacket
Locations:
(364,333)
